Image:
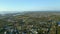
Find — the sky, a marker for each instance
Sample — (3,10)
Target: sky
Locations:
(29,5)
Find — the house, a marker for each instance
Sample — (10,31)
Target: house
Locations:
(58,23)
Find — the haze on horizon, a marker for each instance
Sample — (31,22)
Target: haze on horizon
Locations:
(29,5)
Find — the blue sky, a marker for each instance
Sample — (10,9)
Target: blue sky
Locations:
(29,5)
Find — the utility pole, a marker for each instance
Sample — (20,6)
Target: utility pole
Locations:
(50,21)
(15,30)
(21,23)
(56,28)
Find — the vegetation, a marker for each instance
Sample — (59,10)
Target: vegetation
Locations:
(32,22)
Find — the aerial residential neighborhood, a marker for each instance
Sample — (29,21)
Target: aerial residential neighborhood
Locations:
(27,24)
(29,16)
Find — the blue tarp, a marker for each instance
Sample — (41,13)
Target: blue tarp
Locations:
(58,23)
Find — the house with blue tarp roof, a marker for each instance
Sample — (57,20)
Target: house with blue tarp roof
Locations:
(58,23)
